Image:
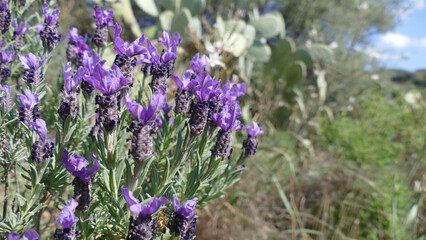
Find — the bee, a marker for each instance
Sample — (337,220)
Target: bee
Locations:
(163,218)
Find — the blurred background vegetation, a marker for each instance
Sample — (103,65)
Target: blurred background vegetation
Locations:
(344,154)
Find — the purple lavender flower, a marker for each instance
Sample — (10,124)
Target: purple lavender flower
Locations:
(42,149)
(76,46)
(170,43)
(68,220)
(142,140)
(108,83)
(250,144)
(89,61)
(5,100)
(76,165)
(182,222)
(6,56)
(28,111)
(28,235)
(206,90)
(184,93)
(18,34)
(103,21)
(125,52)
(68,106)
(159,66)
(50,35)
(31,65)
(4,17)
(227,121)
(143,227)
(197,63)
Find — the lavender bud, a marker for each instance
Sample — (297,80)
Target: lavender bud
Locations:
(29,115)
(158,81)
(199,112)
(183,98)
(71,54)
(33,77)
(87,87)
(223,144)
(18,42)
(100,36)
(68,105)
(82,193)
(182,227)
(41,151)
(141,142)
(4,71)
(146,69)
(250,146)
(108,110)
(4,19)
(95,131)
(142,228)
(66,234)
(50,36)
(126,64)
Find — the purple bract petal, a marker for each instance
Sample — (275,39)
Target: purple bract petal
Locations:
(170,43)
(255,130)
(19,30)
(107,82)
(90,60)
(28,100)
(39,127)
(227,118)
(124,48)
(6,55)
(13,236)
(128,196)
(155,58)
(76,165)
(50,18)
(207,87)
(30,61)
(103,17)
(72,82)
(30,235)
(147,116)
(186,83)
(187,209)
(67,218)
(6,90)
(198,64)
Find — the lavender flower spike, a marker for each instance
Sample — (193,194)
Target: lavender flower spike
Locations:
(143,227)
(31,65)
(184,94)
(42,149)
(18,33)
(103,21)
(142,140)
(68,220)
(76,165)
(68,106)
(4,17)
(76,46)
(227,121)
(250,144)
(28,111)
(182,222)
(125,52)
(197,63)
(6,56)
(28,235)
(50,35)
(5,100)
(89,61)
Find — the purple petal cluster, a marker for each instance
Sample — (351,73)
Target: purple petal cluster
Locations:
(29,100)
(187,209)
(232,93)
(30,61)
(5,99)
(42,149)
(39,126)
(255,130)
(140,209)
(129,49)
(147,115)
(227,118)
(198,64)
(50,18)
(187,82)
(107,82)
(28,235)
(71,82)
(20,30)
(7,56)
(207,87)
(182,222)
(103,17)
(67,218)
(76,165)
(170,43)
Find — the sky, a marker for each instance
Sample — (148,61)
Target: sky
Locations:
(405,46)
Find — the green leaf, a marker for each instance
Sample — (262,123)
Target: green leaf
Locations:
(259,52)
(148,6)
(269,25)
(180,22)
(195,6)
(166,18)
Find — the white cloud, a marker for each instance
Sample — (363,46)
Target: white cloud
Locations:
(396,40)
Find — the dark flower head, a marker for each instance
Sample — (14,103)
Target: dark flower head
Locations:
(103,17)
(30,61)
(170,43)
(67,218)
(107,82)
(227,118)
(254,130)
(89,61)
(76,165)
(129,49)
(6,55)
(198,64)
(207,87)
(143,115)
(71,83)
(29,100)
(140,209)
(186,83)
(39,126)
(28,235)
(20,30)
(187,209)
(50,18)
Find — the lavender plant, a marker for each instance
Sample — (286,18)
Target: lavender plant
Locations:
(126,159)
